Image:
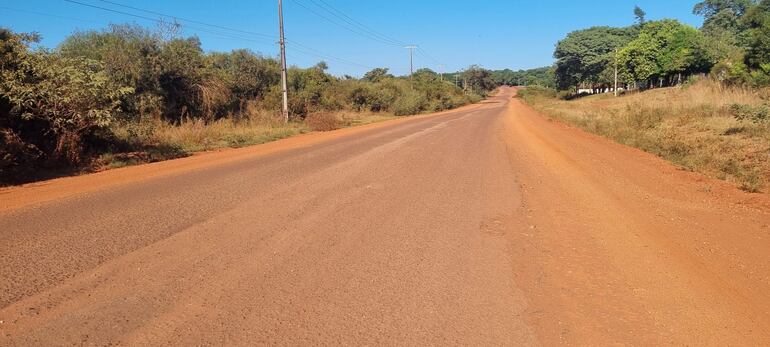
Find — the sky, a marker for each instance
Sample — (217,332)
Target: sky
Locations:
(354,36)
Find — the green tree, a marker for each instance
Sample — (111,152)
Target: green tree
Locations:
(478,79)
(377,74)
(725,32)
(640,15)
(757,20)
(247,75)
(543,76)
(168,75)
(663,52)
(586,56)
(722,13)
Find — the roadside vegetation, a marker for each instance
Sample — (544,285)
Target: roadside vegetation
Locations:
(127,94)
(702,126)
(697,97)
(542,76)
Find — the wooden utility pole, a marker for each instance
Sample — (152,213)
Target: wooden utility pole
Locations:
(285,109)
(411,61)
(616,72)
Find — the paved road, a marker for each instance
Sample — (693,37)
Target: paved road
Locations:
(487,225)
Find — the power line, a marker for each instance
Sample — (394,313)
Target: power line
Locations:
(359,28)
(189,20)
(159,21)
(426,55)
(308,50)
(362,25)
(371,33)
(352,30)
(314,52)
(347,19)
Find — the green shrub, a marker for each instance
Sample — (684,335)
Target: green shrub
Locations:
(755,114)
(56,103)
(532,91)
(408,104)
(117,92)
(732,73)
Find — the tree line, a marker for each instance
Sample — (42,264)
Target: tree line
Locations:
(58,106)
(543,77)
(732,45)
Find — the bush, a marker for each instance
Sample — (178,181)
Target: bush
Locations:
(532,91)
(731,72)
(408,104)
(323,121)
(755,114)
(17,158)
(54,107)
(119,92)
(70,98)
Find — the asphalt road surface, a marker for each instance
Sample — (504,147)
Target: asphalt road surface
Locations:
(487,225)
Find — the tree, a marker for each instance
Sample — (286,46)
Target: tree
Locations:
(377,74)
(543,76)
(478,79)
(663,50)
(757,20)
(710,9)
(425,74)
(322,66)
(585,56)
(640,15)
(248,75)
(726,33)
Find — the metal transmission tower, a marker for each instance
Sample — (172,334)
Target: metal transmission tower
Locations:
(411,49)
(285,109)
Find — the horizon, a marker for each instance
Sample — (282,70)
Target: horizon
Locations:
(360,36)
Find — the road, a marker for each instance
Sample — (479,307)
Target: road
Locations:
(487,225)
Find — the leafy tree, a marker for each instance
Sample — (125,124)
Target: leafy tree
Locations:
(586,56)
(711,9)
(726,34)
(543,76)
(377,74)
(640,15)
(757,20)
(663,50)
(322,65)
(478,79)
(248,75)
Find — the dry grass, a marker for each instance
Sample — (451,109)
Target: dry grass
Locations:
(153,140)
(196,135)
(323,121)
(692,126)
(351,119)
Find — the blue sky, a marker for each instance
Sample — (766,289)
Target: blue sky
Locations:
(495,34)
